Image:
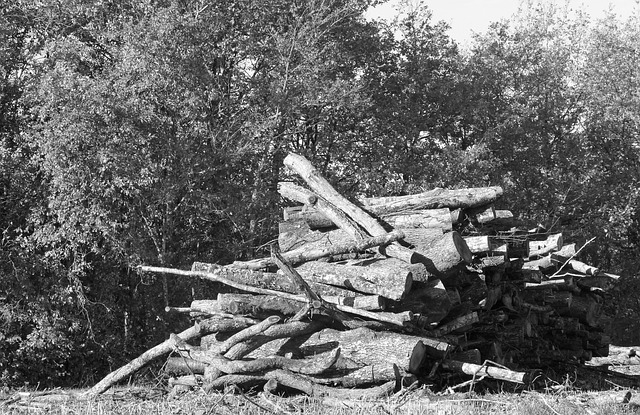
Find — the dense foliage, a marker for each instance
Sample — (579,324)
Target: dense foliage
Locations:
(154,131)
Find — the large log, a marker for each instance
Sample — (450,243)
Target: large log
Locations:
(445,254)
(321,186)
(366,357)
(267,280)
(248,304)
(418,271)
(304,254)
(425,218)
(433,199)
(391,283)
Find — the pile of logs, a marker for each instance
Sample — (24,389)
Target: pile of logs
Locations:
(385,292)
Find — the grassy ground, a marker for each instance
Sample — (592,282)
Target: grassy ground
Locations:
(134,401)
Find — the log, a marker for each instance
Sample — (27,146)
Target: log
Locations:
(321,186)
(434,199)
(492,372)
(431,302)
(501,245)
(314,218)
(446,254)
(249,304)
(367,357)
(418,271)
(426,218)
(457,324)
(301,255)
(387,282)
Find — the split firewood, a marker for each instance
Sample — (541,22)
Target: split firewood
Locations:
(446,254)
(301,255)
(504,245)
(249,305)
(270,280)
(436,198)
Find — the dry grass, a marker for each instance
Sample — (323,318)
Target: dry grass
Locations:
(134,401)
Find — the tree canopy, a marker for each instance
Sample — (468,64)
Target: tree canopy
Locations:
(153,132)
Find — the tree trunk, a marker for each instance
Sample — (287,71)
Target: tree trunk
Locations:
(446,253)
(390,283)
(490,372)
(268,280)
(426,218)
(434,199)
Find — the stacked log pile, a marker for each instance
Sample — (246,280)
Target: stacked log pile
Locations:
(389,291)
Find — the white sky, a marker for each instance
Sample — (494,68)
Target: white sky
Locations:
(468,16)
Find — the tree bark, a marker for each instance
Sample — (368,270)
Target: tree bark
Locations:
(445,254)
(319,185)
(366,357)
(434,199)
(490,372)
(498,245)
(146,357)
(425,218)
(390,283)
(303,255)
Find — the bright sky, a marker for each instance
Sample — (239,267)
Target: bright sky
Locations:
(468,16)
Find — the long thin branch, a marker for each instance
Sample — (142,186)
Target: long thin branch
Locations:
(572,256)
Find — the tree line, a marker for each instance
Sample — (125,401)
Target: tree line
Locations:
(153,132)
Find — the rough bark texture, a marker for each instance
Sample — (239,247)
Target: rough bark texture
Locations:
(434,199)
(319,185)
(366,357)
(389,283)
(313,253)
(446,253)
(426,218)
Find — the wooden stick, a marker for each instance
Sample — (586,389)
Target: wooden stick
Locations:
(137,363)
